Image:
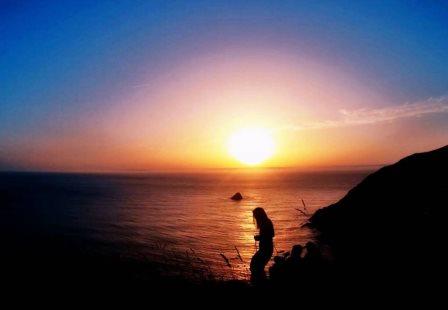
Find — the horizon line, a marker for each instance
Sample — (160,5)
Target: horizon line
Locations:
(203,170)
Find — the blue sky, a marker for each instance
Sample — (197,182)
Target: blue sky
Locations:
(63,60)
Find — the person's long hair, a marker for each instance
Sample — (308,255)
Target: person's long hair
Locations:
(259,216)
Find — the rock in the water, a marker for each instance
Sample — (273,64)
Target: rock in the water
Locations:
(237,196)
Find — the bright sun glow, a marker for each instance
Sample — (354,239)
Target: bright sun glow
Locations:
(251,146)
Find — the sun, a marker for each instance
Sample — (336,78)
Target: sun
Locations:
(251,146)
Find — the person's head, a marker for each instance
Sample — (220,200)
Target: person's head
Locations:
(260,216)
(311,249)
(296,251)
(310,246)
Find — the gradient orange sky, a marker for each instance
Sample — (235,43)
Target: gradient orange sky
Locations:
(133,111)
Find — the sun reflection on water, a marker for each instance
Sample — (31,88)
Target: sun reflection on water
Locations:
(190,222)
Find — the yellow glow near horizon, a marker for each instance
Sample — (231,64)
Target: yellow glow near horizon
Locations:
(174,125)
(251,146)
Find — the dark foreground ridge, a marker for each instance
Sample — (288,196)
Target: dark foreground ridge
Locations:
(392,225)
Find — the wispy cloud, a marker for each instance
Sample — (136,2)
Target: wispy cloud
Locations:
(373,116)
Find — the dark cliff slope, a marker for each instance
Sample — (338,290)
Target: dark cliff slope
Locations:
(394,216)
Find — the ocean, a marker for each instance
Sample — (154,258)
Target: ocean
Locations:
(183,223)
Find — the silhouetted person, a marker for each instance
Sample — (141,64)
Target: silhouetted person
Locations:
(294,263)
(313,262)
(266,246)
(287,268)
(296,254)
(312,253)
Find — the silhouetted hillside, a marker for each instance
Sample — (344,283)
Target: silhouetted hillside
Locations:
(393,220)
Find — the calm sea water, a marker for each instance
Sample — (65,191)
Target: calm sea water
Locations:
(182,221)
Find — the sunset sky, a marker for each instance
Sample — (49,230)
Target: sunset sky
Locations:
(163,85)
